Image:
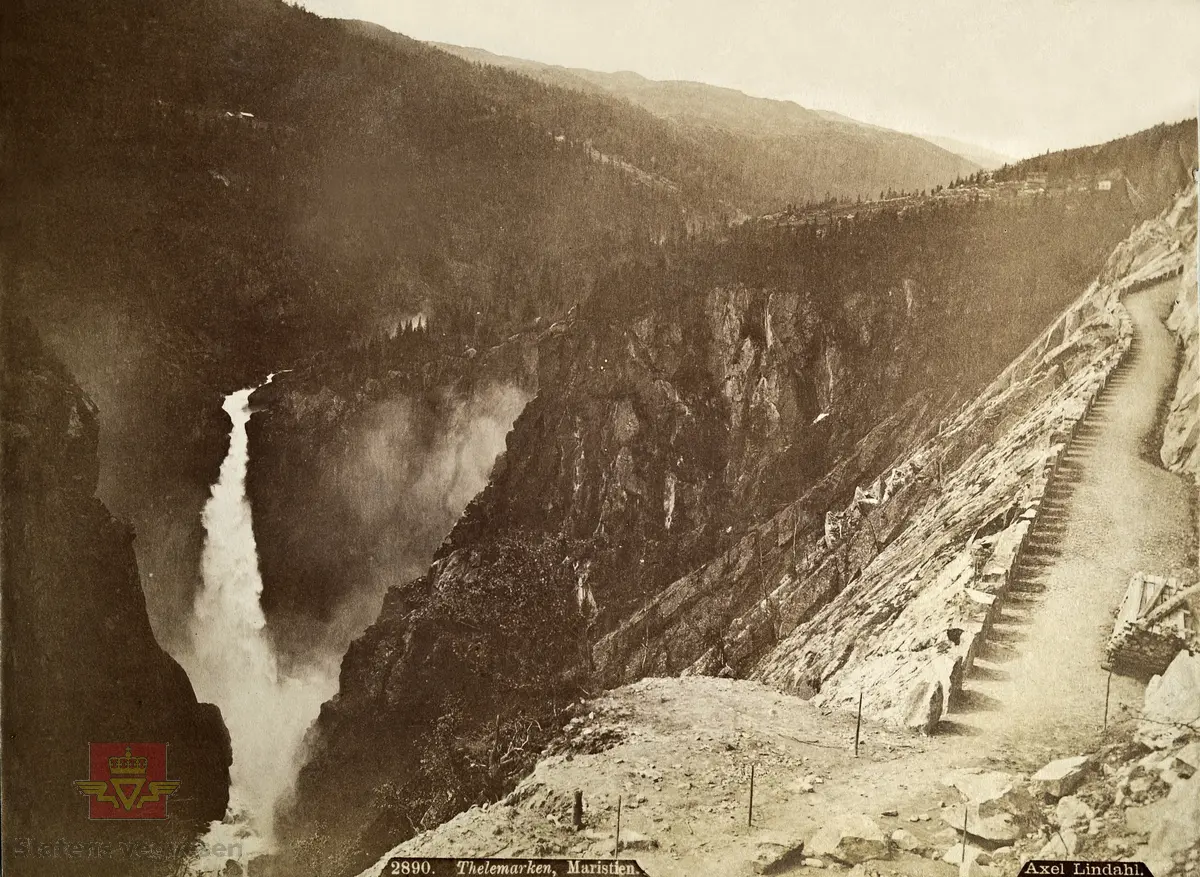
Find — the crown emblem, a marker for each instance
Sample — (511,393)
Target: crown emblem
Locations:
(127,786)
(127,765)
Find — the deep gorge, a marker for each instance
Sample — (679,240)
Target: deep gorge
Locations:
(540,356)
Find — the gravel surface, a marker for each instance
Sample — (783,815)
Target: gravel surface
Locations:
(1039,688)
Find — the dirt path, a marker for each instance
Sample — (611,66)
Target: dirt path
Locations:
(681,771)
(676,752)
(1039,690)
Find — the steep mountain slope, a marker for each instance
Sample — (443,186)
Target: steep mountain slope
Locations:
(783,152)
(201,193)
(973,549)
(325,149)
(1023,682)
(678,751)
(694,422)
(81,664)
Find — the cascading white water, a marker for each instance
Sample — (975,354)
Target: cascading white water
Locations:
(233,665)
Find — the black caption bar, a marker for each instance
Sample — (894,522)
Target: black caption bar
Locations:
(1072,868)
(426,867)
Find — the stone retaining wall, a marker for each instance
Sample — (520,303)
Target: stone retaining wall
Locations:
(730,614)
(925,605)
(986,602)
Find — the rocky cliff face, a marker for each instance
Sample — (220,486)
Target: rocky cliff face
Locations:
(381,451)
(80,661)
(958,536)
(665,436)
(650,442)
(894,596)
(1181,433)
(648,447)
(963,504)
(693,426)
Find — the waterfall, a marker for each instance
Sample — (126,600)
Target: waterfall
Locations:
(233,664)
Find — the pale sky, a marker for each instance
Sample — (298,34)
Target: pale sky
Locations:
(1018,76)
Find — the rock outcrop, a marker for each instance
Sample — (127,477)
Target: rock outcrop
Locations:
(1062,776)
(1133,805)
(80,661)
(1172,710)
(924,604)
(1181,433)
(851,838)
(925,600)
(719,449)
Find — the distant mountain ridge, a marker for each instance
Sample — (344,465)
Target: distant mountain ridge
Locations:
(698,102)
(674,98)
(988,159)
(817,153)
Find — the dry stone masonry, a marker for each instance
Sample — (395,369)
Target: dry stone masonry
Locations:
(1154,622)
(918,607)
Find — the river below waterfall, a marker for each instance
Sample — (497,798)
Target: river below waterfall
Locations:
(233,664)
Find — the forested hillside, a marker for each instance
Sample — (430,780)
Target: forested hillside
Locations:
(1152,161)
(779,151)
(694,395)
(201,193)
(247,161)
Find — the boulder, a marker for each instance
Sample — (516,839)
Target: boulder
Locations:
(905,840)
(777,856)
(1172,707)
(1062,845)
(923,707)
(995,829)
(955,856)
(1063,776)
(994,791)
(999,810)
(1072,811)
(852,838)
(1177,828)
